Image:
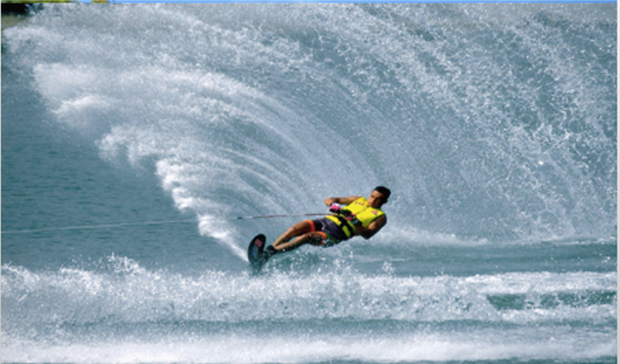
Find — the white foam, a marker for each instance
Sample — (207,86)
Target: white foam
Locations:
(473,345)
(130,293)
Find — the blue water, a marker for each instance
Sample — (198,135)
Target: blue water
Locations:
(134,135)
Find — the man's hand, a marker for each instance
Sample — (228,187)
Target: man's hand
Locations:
(335,208)
(372,229)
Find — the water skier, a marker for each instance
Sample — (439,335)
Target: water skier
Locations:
(356,216)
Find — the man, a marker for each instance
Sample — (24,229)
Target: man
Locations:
(360,216)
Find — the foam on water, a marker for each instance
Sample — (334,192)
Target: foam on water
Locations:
(133,294)
(239,348)
(128,314)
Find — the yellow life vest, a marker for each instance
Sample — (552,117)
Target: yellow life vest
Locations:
(364,214)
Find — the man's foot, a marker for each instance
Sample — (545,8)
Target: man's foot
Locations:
(269,252)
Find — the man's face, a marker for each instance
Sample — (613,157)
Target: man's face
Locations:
(376,199)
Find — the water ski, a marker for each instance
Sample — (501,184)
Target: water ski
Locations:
(255,251)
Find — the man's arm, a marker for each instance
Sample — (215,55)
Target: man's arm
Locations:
(340,200)
(372,229)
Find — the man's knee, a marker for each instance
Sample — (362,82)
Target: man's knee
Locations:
(315,238)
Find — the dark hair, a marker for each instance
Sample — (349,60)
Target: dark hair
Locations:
(384,191)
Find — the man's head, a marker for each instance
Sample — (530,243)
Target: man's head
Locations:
(378,197)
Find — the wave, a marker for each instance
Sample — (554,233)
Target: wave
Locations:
(124,313)
(132,294)
(534,344)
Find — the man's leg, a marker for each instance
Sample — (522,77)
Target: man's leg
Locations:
(301,228)
(314,238)
(298,235)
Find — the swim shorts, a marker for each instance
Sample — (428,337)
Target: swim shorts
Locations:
(332,234)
